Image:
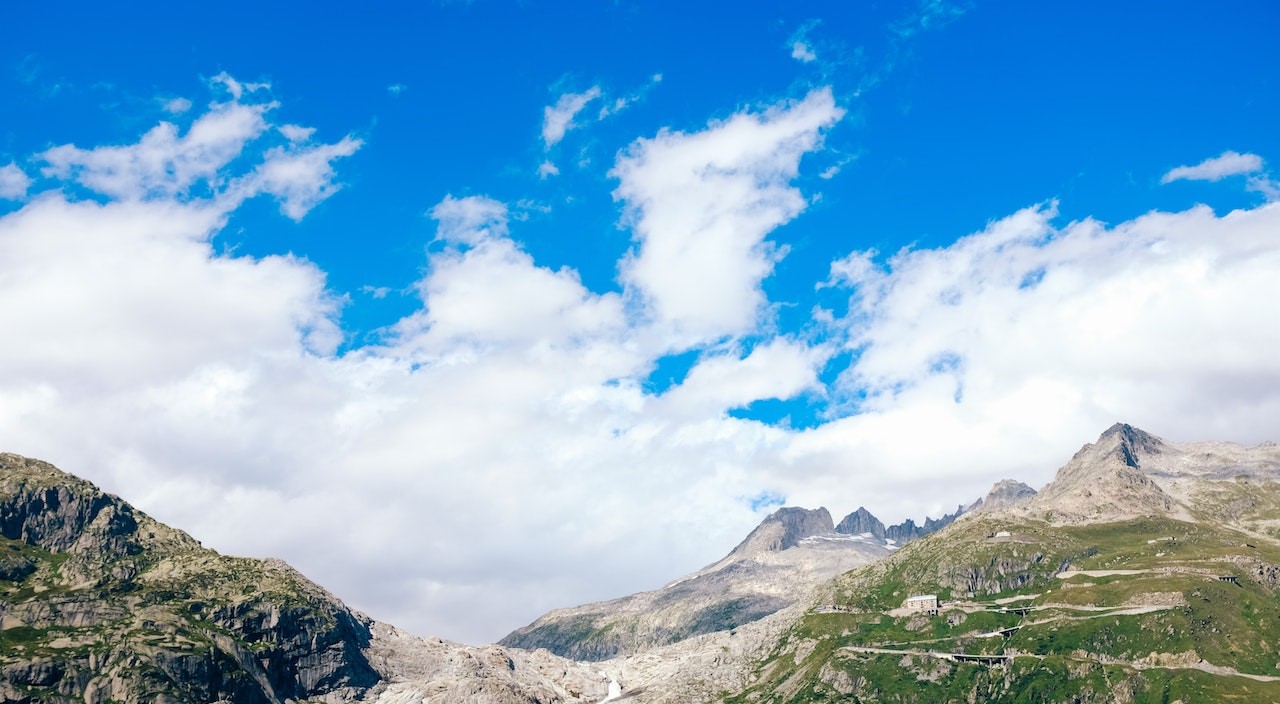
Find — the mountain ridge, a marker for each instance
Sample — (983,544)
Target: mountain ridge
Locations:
(101,603)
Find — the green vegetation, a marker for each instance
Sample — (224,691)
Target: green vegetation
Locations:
(102,588)
(1140,633)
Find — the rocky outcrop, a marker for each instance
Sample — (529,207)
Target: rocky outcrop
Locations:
(1105,481)
(784,529)
(860,522)
(1005,493)
(99,602)
(908,531)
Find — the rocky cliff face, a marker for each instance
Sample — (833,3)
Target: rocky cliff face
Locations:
(101,603)
(1005,494)
(784,529)
(1125,475)
(861,521)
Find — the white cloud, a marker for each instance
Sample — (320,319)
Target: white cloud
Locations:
(499,444)
(780,369)
(296,133)
(299,177)
(397,88)
(235,88)
(700,206)
(471,220)
(558,119)
(163,164)
(177,106)
(547,169)
(508,411)
(1268,187)
(13,182)
(997,354)
(1228,163)
(802,52)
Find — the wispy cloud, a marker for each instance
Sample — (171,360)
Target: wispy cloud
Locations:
(802,48)
(1025,332)
(558,119)
(1228,163)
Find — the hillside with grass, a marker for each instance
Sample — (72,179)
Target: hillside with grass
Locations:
(1144,594)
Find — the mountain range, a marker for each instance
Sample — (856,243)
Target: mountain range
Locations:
(1146,570)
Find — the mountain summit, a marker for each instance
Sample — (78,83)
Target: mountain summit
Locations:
(1105,481)
(784,529)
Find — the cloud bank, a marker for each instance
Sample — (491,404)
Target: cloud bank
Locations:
(499,453)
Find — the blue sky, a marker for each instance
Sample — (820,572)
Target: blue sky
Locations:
(812,252)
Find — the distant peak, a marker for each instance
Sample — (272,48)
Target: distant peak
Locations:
(1005,493)
(861,521)
(1131,443)
(785,528)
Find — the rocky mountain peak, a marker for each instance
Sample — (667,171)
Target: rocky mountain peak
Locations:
(785,528)
(1130,444)
(1105,480)
(1005,493)
(861,521)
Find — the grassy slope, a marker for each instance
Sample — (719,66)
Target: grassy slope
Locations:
(1060,653)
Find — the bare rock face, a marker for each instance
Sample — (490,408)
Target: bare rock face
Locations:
(785,528)
(99,602)
(433,671)
(861,521)
(1005,493)
(907,531)
(1105,481)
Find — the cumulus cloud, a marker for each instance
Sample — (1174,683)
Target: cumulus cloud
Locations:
(558,119)
(1021,340)
(166,164)
(498,444)
(1216,168)
(13,182)
(700,206)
